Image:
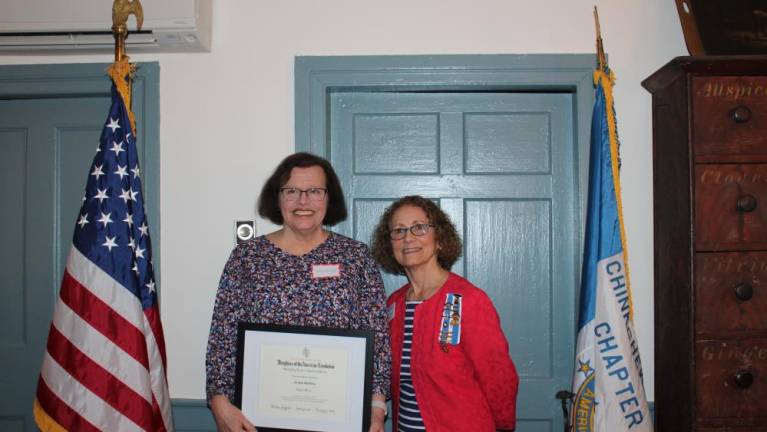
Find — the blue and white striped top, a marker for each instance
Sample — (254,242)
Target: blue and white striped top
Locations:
(409,415)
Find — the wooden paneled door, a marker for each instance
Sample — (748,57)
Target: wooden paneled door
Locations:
(501,164)
(51,119)
(44,147)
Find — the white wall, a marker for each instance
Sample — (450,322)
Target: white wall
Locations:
(227,119)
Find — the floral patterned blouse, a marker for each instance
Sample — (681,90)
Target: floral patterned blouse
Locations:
(261,283)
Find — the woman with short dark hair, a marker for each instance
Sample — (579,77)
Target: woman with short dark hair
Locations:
(269,200)
(301,274)
(451,368)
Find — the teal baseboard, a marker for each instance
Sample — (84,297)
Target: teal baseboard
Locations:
(193,415)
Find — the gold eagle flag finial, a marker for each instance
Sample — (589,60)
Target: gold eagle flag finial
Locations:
(121,10)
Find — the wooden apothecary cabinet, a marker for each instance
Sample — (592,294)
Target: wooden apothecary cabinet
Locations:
(710,228)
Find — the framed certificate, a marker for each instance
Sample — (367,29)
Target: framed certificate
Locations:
(292,378)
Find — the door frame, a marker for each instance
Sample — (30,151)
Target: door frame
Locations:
(81,80)
(317,78)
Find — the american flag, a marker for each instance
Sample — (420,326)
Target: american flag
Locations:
(104,364)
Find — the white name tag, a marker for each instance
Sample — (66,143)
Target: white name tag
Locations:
(321,271)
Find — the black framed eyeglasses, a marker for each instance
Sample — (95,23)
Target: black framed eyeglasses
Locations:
(417,230)
(294,194)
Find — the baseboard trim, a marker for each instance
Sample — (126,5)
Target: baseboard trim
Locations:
(193,415)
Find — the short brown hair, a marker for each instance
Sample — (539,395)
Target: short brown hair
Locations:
(268,201)
(450,246)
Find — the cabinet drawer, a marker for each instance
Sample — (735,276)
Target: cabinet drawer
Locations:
(731,379)
(729,117)
(730,206)
(730,293)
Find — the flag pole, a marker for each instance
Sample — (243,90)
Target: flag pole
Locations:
(600,48)
(121,71)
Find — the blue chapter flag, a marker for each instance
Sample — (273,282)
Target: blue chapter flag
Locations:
(104,367)
(607,382)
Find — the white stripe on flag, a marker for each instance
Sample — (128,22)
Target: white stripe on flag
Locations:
(83,401)
(108,290)
(124,303)
(102,350)
(158,378)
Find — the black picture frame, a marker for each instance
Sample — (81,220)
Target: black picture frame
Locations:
(312,335)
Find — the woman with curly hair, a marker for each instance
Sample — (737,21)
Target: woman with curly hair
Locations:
(451,369)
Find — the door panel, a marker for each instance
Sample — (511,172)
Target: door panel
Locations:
(488,150)
(507,241)
(501,165)
(13,159)
(396,143)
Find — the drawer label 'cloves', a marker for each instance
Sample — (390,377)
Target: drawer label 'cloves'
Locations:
(718,177)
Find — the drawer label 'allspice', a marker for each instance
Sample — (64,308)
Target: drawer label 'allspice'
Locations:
(730,90)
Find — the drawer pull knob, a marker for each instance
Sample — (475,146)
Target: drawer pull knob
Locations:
(744,292)
(741,114)
(744,379)
(746,203)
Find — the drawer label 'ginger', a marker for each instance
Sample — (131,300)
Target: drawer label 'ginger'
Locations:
(723,351)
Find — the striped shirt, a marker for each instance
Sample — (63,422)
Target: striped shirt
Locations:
(409,415)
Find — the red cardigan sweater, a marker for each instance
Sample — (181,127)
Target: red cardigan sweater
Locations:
(470,386)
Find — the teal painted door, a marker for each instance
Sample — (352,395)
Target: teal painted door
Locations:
(46,146)
(51,118)
(502,165)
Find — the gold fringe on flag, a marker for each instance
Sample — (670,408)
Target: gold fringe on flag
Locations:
(122,73)
(604,76)
(44,421)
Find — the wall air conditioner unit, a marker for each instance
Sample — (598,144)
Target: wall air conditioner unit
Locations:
(84,26)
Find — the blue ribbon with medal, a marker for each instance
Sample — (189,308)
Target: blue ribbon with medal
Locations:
(450,328)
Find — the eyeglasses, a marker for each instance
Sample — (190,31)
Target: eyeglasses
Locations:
(417,230)
(294,194)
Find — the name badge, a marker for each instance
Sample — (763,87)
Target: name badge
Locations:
(450,328)
(392,310)
(322,271)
